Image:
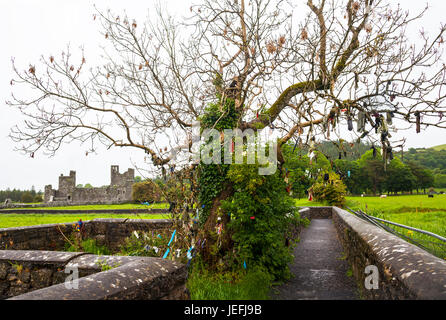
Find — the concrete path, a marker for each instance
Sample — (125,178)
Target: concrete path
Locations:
(320,272)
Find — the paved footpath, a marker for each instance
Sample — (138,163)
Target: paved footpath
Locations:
(320,272)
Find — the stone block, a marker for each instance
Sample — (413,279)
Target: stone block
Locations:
(138,278)
(41,278)
(4,288)
(12,277)
(4,269)
(101,240)
(24,276)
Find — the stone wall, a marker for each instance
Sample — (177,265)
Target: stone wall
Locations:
(40,275)
(34,267)
(405,271)
(121,179)
(309,213)
(85,211)
(111,232)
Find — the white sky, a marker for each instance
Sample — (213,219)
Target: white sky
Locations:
(32,28)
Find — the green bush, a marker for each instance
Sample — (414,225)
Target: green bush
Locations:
(440,181)
(252,284)
(27,197)
(261,215)
(331,192)
(145,191)
(38,199)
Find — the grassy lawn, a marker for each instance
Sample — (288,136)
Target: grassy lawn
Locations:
(305,203)
(103,207)
(20,220)
(250,285)
(439,148)
(417,211)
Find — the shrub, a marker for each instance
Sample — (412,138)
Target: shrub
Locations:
(145,191)
(331,192)
(149,245)
(252,284)
(38,198)
(27,197)
(261,215)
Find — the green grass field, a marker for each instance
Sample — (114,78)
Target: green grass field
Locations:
(417,211)
(21,220)
(101,207)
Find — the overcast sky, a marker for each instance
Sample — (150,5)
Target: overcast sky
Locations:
(33,28)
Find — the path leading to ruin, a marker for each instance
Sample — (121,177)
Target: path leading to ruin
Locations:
(319,268)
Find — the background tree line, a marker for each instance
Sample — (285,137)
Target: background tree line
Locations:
(414,170)
(25,196)
(360,166)
(434,159)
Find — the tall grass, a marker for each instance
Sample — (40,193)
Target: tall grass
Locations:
(252,284)
(434,222)
(431,221)
(417,211)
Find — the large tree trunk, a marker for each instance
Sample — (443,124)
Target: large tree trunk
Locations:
(209,231)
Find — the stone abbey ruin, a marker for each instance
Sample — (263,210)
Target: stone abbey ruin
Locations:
(119,190)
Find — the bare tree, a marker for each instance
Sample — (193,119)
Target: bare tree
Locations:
(345,61)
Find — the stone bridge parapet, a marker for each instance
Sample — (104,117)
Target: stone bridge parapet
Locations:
(405,270)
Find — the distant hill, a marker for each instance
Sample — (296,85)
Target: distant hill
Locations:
(432,158)
(332,149)
(439,148)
